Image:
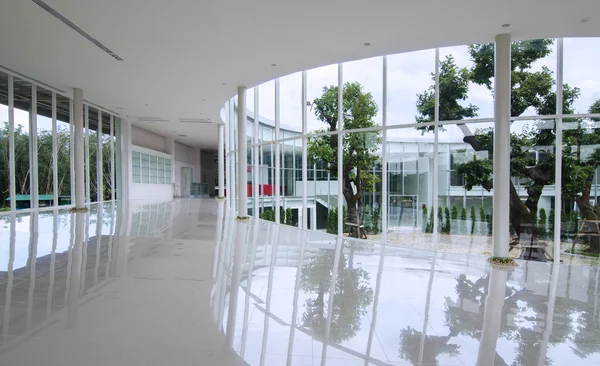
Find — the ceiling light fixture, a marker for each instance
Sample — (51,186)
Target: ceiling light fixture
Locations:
(585,20)
(204,100)
(367,44)
(506,25)
(273,65)
(224,84)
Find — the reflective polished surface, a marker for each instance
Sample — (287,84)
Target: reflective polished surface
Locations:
(185,283)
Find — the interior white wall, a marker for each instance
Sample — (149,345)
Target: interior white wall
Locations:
(186,156)
(147,139)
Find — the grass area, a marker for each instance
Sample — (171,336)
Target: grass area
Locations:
(584,253)
(80,209)
(503,261)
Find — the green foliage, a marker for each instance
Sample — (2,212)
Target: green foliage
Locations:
(490,223)
(268,215)
(4,209)
(463,213)
(376,218)
(440,218)
(542,219)
(503,261)
(482,213)
(447,226)
(429,228)
(289,217)
(454,87)
(425,223)
(473,219)
(332,223)
(454,212)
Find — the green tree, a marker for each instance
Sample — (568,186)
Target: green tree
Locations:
(530,88)
(447,226)
(359,149)
(482,213)
(473,218)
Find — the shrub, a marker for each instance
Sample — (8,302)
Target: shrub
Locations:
(482,213)
(490,221)
(289,217)
(268,215)
(454,212)
(473,218)
(551,222)
(447,226)
(375,224)
(425,223)
(332,217)
(429,228)
(542,223)
(440,218)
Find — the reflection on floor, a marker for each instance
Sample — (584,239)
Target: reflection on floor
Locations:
(185,283)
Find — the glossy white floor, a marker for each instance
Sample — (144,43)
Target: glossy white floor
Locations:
(184,283)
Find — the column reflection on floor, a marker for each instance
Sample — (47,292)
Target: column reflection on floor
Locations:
(44,265)
(306,297)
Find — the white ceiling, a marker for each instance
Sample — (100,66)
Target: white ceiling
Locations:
(177,53)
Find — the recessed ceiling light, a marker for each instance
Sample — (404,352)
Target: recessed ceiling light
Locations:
(505,25)
(224,83)
(146,104)
(182,135)
(367,44)
(204,100)
(273,65)
(120,108)
(585,20)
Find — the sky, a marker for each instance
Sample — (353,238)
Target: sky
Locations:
(408,75)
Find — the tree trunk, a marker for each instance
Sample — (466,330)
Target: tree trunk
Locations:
(589,212)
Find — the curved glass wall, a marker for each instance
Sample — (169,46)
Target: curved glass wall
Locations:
(389,105)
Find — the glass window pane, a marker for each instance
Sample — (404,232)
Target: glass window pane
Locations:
(581,71)
(145,168)
(22,107)
(63,148)
(135,163)
(4,148)
(409,74)
(44,147)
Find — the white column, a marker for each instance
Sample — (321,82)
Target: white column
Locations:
(86,147)
(221,160)
(305,158)
(99,163)
(384,182)
(436,155)
(11,143)
(112,158)
(54,152)
(78,129)
(125,144)
(277,155)
(340,151)
(492,318)
(33,147)
(256,157)
(242,153)
(501,234)
(231,163)
(558,153)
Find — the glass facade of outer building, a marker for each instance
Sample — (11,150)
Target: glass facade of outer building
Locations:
(418,143)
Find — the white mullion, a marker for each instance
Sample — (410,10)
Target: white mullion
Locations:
(340,147)
(304,156)
(277,155)
(255,157)
(558,151)
(86,144)
(11,143)
(384,173)
(436,119)
(54,152)
(112,158)
(33,153)
(99,167)
(72,152)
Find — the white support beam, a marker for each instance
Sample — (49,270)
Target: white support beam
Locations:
(558,152)
(79,148)
(305,157)
(242,148)
(384,172)
(277,155)
(436,139)
(99,163)
(54,153)
(220,160)
(86,144)
(340,150)
(112,158)
(33,150)
(502,91)
(255,156)
(11,143)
